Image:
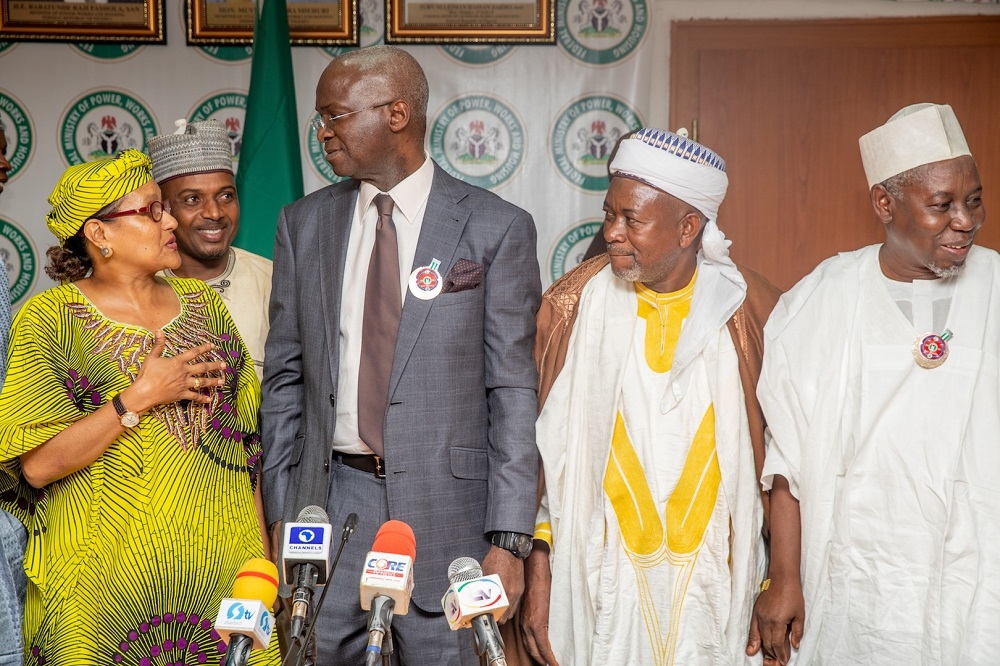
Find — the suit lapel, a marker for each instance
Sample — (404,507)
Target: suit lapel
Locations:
(444,221)
(335,221)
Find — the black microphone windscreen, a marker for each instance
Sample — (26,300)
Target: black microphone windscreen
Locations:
(351,523)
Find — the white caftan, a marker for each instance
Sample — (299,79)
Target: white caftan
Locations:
(896,467)
(650,487)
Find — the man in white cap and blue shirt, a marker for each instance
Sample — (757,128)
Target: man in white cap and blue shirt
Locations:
(648,544)
(881,392)
(194,168)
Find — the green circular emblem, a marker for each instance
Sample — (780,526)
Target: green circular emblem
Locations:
(17,130)
(18,255)
(479,139)
(568,250)
(229,107)
(108,51)
(599,32)
(101,123)
(6,45)
(234,54)
(478,54)
(317,155)
(584,134)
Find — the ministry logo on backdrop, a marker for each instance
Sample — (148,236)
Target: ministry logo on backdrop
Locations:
(317,154)
(229,107)
(568,250)
(583,136)
(18,132)
(479,139)
(601,32)
(476,54)
(102,123)
(231,55)
(107,51)
(6,45)
(19,258)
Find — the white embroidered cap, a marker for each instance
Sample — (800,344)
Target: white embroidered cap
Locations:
(916,135)
(200,147)
(684,169)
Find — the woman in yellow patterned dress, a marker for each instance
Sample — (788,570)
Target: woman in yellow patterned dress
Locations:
(128,437)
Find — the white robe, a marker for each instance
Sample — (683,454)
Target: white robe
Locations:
(896,467)
(593,615)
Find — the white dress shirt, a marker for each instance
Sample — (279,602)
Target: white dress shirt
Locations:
(409,198)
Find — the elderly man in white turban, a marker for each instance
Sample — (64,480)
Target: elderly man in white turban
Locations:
(194,169)
(648,543)
(881,394)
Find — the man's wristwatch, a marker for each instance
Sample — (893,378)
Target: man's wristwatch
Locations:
(128,419)
(515,542)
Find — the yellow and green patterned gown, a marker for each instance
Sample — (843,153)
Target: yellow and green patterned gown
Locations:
(128,558)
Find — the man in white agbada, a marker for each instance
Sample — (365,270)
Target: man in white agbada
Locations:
(194,168)
(881,394)
(648,358)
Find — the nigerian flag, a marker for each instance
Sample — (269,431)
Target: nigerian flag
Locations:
(270,166)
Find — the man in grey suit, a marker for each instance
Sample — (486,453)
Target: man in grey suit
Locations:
(441,433)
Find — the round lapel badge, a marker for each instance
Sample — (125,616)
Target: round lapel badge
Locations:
(931,350)
(425,281)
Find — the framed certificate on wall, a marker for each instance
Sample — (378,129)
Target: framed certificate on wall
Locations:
(310,22)
(80,21)
(470,21)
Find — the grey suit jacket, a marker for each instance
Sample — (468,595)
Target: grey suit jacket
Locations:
(460,427)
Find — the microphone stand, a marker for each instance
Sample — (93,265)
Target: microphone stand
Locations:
(350,525)
(489,645)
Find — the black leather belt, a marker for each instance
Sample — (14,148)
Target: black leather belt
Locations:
(365,463)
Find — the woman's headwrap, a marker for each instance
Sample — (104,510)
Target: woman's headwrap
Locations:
(86,188)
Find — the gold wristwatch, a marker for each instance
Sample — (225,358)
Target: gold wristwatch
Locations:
(128,419)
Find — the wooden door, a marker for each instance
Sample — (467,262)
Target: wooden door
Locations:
(784,103)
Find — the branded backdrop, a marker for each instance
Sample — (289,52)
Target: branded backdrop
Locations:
(532,123)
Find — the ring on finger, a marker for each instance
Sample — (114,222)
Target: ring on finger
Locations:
(197,383)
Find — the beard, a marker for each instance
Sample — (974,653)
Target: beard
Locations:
(944,273)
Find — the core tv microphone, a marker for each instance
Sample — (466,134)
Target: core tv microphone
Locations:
(306,556)
(386,583)
(244,621)
(476,601)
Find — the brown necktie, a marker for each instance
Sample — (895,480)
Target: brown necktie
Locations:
(383,307)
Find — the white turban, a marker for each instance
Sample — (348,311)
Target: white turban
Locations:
(684,169)
(916,135)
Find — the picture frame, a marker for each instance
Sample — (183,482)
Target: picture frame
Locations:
(133,21)
(470,22)
(310,22)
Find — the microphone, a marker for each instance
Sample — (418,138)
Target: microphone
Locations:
(476,601)
(306,554)
(387,582)
(244,621)
(307,654)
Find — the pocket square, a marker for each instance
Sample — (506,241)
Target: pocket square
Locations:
(464,275)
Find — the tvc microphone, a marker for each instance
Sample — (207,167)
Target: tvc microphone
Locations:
(306,556)
(387,582)
(476,601)
(244,621)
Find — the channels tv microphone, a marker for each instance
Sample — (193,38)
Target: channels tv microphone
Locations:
(386,582)
(307,653)
(244,621)
(476,601)
(306,554)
